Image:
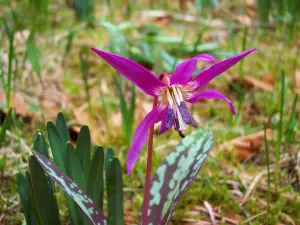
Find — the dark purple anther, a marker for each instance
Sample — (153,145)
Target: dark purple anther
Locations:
(181,134)
(184,111)
(194,123)
(170,118)
(176,124)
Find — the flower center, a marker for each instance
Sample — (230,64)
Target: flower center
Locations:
(178,113)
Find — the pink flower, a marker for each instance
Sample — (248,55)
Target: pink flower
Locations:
(175,90)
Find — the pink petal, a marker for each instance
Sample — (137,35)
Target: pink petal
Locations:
(163,127)
(211,94)
(205,76)
(134,72)
(184,70)
(140,136)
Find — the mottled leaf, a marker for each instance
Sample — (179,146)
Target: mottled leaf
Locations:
(176,173)
(94,215)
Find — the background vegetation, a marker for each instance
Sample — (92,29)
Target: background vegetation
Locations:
(46,66)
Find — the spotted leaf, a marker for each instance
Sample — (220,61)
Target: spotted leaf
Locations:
(176,173)
(94,215)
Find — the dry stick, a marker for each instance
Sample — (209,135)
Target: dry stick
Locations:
(210,212)
(148,170)
(253,217)
(218,216)
(253,184)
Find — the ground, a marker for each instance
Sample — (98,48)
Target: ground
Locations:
(235,184)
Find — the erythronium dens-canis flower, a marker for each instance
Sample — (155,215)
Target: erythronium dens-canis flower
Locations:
(175,90)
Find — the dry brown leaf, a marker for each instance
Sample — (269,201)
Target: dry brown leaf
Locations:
(265,84)
(297,80)
(52,101)
(18,104)
(243,19)
(163,20)
(247,145)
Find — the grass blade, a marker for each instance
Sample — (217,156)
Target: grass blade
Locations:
(33,53)
(10,59)
(84,76)
(279,132)
(5,125)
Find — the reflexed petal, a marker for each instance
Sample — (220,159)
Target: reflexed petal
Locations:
(184,70)
(164,127)
(210,94)
(141,133)
(205,76)
(134,72)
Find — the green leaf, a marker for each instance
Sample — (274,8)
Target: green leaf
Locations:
(57,146)
(118,44)
(83,148)
(95,184)
(74,167)
(33,53)
(175,174)
(5,125)
(69,42)
(114,188)
(40,144)
(83,8)
(34,213)
(23,192)
(94,215)
(43,194)
(109,155)
(76,173)
(62,127)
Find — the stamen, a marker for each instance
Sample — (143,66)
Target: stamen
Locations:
(176,124)
(185,113)
(170,99)
(170,118)
(180,120)
(194,123)
(177,98)
(180,94)
(181,134)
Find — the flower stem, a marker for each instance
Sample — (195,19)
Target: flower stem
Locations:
(148,170)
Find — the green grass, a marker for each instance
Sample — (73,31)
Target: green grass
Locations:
(89,90)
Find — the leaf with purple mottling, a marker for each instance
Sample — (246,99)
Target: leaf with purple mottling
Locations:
(94,215)
(175,174)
